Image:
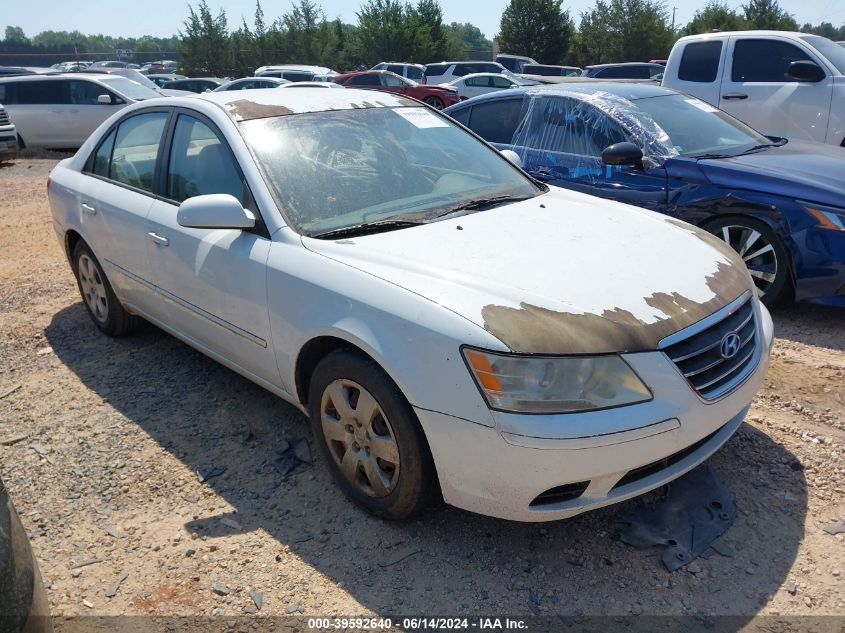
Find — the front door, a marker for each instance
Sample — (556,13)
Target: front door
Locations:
(213,281)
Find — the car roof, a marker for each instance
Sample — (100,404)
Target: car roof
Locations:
(58,76)
(245,105)
(629,91)
(483,75)
(613,65)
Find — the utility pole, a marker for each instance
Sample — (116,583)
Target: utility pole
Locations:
(673,18)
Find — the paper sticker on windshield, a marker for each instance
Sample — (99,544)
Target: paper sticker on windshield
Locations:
(701,105)
(420,117)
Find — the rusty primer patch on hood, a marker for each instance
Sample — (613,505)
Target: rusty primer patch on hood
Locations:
(246,110)
(531,329)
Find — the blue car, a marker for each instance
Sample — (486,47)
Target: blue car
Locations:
(780,204)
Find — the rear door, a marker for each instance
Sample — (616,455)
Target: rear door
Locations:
(40,105)
(755,88)
(699,70)
(214,281)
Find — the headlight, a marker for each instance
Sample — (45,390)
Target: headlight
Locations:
(554,384)
(828,217)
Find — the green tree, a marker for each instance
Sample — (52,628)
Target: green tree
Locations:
(716,14)
(541,29)
(15,36)
(205,43)
(624,31)
(825,29)
(466,41)
(768,14)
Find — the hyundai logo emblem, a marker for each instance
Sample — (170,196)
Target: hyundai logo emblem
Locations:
(729,347)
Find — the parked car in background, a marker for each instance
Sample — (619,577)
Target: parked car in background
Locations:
(443,319)
(8,71)
(481,83)
(195,84)
(627,70)
(23,602)
(71,67)
(514,63)
(164,67)
(107,64)
(781,83)
(445,72)
(295,72)
(8,137)
(548,70)
(252,83)
(437,97)
(661,62)
(779,204)
(311,84)
(161,79)
(61,111)
(414,72)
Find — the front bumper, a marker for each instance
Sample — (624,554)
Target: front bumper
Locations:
(8,142)
(598,458)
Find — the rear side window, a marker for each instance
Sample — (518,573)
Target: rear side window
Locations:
(464,69)
(435,70)
(297,76)
(414,73)
(700,62)
(462,116)
(42,92)
(9,93)
(496,121)
(136,148)
(764,60)
(394,68)
(200,163)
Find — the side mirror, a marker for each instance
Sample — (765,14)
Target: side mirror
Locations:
(104,99)
(214,211)
(622,154)
(512,156)
(805,71)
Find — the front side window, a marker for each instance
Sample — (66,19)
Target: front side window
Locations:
(365,80)
(764,61)
(200,163)
(87,93)
(392,81)
(501,82)
(477,82)
(496,121)
(136,148)
(327,170)
(414,73)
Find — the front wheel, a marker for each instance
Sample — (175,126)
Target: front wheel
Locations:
(368,433)
(763,252)
(434,102)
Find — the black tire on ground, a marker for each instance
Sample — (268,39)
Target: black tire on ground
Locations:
(107,312)
(771,269)
(435,102)
(415,486)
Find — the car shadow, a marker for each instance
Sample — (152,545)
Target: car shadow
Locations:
(822,326)
(447,561)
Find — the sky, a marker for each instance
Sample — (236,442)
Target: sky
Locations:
(165,17)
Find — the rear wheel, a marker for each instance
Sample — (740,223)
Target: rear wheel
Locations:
(102,305)
(368,433)
(763,252)
(434,102)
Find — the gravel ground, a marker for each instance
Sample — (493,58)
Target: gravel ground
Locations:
(101,441)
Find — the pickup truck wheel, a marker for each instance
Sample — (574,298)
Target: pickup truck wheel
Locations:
(368,433)
(763,252)
(99,299)
(434,102)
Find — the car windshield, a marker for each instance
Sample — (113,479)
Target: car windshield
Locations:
(131,89)
(340,169)
(833,52)
(691,127)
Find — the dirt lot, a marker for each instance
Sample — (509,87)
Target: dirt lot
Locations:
(114,432)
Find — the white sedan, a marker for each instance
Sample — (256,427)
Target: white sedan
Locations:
(476,84)
(447,323)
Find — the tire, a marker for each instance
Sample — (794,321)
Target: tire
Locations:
(373,443)
(99,299)
(434,102)
(769,269)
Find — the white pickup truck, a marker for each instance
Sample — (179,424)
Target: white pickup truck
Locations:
(783,84)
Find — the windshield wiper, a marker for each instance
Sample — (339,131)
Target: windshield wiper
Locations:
(480,203)
(763,146)
(366,228)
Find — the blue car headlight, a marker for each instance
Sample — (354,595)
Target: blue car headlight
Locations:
(828,217)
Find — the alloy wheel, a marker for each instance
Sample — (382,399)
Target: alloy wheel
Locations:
(360,438)
(756,251)
(93,288)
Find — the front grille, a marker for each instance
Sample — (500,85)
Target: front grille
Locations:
(4,117)
(699,356)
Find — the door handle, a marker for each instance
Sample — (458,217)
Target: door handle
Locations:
(734,95)
(160,240)
(88,209)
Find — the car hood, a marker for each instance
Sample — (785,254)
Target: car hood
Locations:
(807,171)
(562,273)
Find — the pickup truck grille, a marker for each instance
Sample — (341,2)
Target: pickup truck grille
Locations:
(4,117)
(714,362)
